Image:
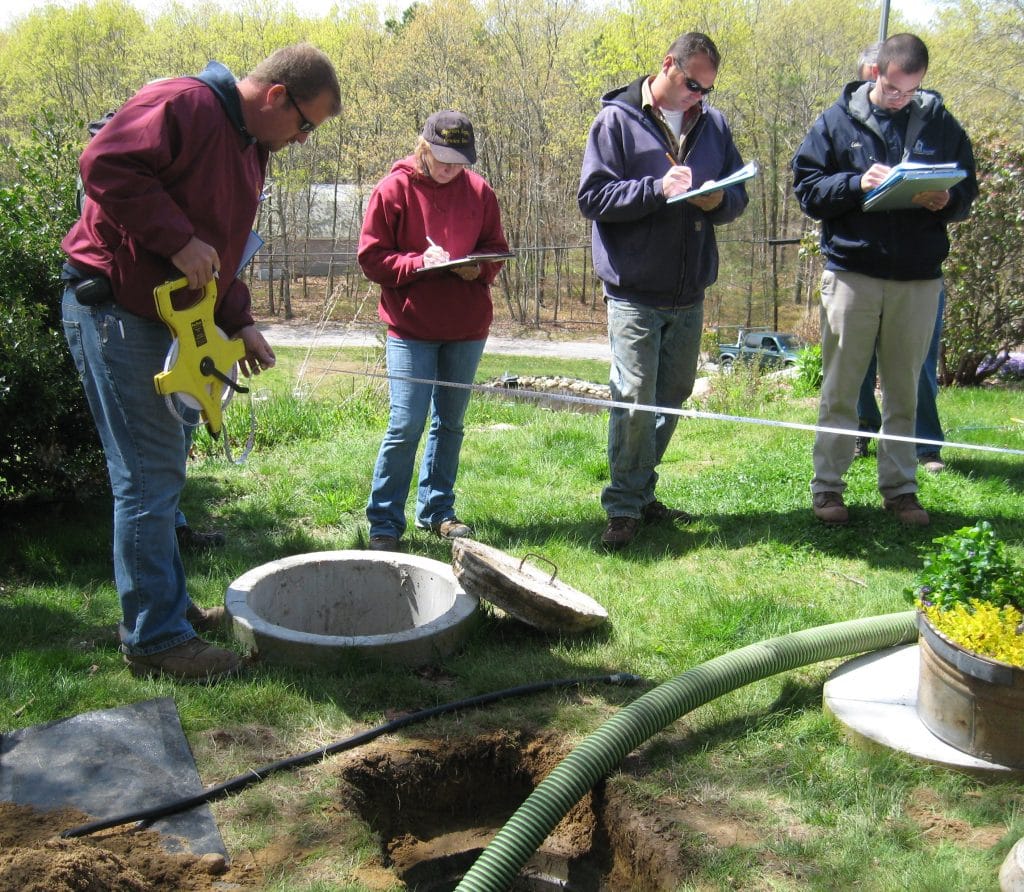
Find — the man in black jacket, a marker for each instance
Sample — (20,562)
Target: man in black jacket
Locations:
(883,269)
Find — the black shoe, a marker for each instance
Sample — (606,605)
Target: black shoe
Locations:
(619,532)
(861,447)
(383,543)
(656,511)
(190,540)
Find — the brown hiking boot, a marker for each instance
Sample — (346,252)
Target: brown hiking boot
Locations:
(193,660)
(830,508)
(907,509)
(619,532)
(656,511)
(206,619)
(452,528)
(932,463)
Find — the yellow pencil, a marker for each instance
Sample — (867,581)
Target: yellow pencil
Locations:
(671,160)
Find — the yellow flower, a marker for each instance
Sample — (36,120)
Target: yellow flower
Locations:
(982,628)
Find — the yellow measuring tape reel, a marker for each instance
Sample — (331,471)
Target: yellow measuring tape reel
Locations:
(202,364)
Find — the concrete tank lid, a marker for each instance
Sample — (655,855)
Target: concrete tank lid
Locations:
(523,590)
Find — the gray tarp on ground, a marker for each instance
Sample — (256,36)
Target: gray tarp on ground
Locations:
(109,763)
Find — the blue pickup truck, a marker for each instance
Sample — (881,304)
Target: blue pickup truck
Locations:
(770,349)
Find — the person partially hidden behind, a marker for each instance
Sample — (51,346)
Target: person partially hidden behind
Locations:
(173,183)
(654,139)
(883,269)
(431,208)
(869,417)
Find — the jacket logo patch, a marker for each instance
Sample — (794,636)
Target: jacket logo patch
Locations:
(921,149)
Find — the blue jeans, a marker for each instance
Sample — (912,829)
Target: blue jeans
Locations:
(654,362)
(927,425)
(454,361)
(117,354)
(191,417)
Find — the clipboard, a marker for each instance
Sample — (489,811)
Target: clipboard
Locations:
(469,260)
(906,180)
(747,172)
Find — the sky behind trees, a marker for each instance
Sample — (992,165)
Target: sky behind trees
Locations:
(919,11)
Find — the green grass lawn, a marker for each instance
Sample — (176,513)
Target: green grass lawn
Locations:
(803,808)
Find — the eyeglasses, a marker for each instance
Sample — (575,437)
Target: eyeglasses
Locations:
(305,125)
(893,93)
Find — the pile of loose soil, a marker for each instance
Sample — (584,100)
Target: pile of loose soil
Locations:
(33,858)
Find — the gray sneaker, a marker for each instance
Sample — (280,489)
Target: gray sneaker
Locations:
(829,508)
(192,660)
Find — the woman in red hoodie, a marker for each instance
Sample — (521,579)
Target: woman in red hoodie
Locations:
(427,212)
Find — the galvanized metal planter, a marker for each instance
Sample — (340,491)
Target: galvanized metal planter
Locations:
(971,702)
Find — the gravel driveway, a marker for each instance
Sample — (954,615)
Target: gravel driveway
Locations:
(334,335)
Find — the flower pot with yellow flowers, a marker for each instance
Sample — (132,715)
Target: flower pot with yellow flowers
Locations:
(969,601)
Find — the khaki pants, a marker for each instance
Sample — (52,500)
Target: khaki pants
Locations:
(861,315)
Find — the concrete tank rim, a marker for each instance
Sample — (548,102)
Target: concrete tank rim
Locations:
(237,605)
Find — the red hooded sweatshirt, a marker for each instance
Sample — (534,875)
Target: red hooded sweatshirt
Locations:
(462,217)
(168,166)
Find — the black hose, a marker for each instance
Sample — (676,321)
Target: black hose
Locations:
(235,784)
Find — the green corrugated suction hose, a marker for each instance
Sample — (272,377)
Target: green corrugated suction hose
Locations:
(599,753)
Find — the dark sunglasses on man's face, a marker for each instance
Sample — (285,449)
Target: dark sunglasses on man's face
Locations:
(694,87)
(305,125)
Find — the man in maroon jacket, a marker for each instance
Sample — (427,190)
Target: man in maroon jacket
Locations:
(172,185)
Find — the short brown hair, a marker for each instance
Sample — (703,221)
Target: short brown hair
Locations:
(906,51)
(303,69)
(691,44)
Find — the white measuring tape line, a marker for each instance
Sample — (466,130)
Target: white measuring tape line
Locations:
(684,413)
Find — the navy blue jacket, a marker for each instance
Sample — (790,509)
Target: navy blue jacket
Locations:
(842,144)
(647,251)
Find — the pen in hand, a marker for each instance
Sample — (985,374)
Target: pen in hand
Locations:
(435,254)
(671,160)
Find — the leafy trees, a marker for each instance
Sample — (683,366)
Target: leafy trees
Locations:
(73,64)
(530,73)
(985,270)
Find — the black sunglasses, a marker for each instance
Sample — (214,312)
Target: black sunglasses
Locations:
(307,126)
(691,84)
(694,87)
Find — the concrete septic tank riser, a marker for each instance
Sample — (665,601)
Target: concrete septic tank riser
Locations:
(311,609)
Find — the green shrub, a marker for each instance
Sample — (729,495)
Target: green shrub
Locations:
(808,367)
(970,564)
(48,444)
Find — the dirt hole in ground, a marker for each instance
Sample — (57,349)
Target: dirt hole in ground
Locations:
(436,804)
